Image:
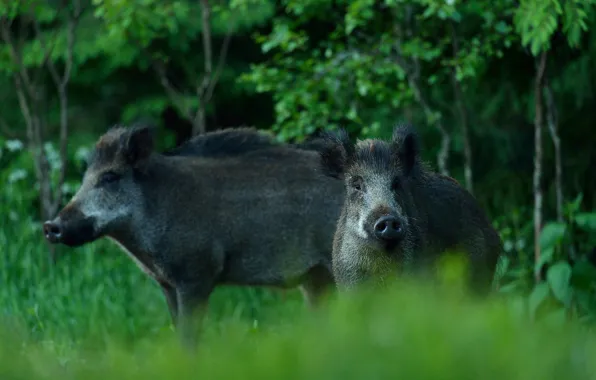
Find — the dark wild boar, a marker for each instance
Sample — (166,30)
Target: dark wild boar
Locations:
(229,207)
(399,215)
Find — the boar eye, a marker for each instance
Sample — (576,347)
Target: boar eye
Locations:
(395,185)
(357,183)
(108,177)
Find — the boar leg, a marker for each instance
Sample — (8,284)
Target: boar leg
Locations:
(192,305)
(172,300)
(317,282)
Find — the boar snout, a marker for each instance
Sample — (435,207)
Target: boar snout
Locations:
(389,228)
(53,231)
(71,228)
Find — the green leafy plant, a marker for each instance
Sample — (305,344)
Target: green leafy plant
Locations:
(568,262)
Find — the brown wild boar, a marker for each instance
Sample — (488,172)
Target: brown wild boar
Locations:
(399,215)
(228,207)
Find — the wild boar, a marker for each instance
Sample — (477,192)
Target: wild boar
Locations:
(229,207)
(399,215)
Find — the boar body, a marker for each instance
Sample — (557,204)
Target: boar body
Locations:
(231,207)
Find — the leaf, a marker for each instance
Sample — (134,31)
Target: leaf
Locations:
(511,287)
(583,274)
(537,297)
(552,234)
(586,220)
(585,302)
(576,203)
(558,277)
(546,256)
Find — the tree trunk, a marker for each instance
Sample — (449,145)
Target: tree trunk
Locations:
(465,135)
(199,123)
(30,94)
(538,161)
(199,126)
(458,95)
(551,120)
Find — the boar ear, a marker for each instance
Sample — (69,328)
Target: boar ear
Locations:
(336,153)
(137,144)
(406,146)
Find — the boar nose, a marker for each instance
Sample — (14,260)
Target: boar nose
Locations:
(389,228)
(53,231)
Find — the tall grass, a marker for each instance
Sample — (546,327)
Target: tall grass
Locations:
(95,315)
(409,332)
(97,292)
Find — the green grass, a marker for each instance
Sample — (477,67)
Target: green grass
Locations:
(95,315)
(410,333)
(97,292)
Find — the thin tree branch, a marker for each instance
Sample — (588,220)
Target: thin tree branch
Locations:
(174,94)
(62,86)
(39,124)
(538,160)
(412,70)
(71,36)
(33,142)
(552,122)
(205,87)
(47,50)
(221,62)
(457,92)
(24,105)
(202,88)
(16,56)
(5,129)
(208,50)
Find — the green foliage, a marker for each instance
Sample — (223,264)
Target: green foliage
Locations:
(357,75)
(567,261)
(536,21)
(356,337)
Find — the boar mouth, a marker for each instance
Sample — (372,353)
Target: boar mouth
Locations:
(391,246)
(70,233)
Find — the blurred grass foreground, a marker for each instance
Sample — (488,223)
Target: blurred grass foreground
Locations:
(407,332)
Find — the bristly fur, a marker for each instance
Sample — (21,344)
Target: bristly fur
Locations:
(406,142)
(402,150)
(337,152)
(401,131)
(115,140)
(375,154)
(312,143)
(224,143)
